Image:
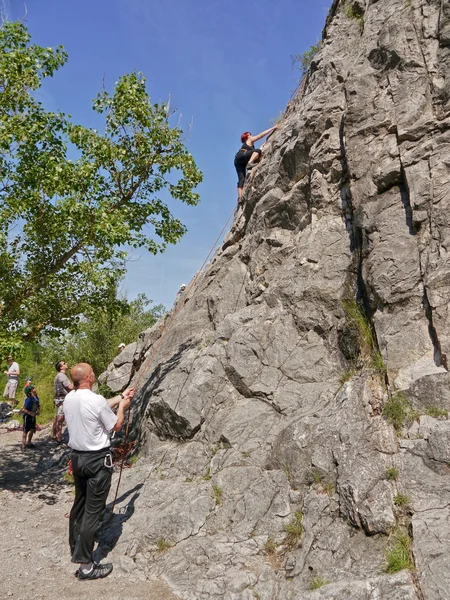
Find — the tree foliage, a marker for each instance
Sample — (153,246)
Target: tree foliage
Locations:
(99,335)
(96,342)
(73,199)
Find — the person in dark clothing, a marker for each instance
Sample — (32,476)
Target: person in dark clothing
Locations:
(30,409)
(248,156)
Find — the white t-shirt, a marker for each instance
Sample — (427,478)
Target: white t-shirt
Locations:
(13,368)
(89,420)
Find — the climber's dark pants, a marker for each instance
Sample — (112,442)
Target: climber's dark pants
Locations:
(92,477)
(240,162)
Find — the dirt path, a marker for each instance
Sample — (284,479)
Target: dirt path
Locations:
(34,553)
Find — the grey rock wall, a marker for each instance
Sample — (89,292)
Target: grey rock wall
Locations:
(259,415)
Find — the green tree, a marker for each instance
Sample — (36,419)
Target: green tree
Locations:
(65,223)
(98,336)
(95,342)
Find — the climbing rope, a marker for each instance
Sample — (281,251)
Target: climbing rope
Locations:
(124,448)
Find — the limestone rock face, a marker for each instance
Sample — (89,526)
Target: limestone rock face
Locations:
(268,464)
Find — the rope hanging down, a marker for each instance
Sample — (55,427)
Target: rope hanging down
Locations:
(148,360)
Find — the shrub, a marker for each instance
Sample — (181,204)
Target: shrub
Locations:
(355,12)
(303,61)
(398,556)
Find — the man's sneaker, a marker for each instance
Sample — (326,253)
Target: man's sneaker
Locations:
(97,572)
(250,165)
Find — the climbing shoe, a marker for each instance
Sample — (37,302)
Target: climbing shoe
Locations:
(97,572)
(250,165)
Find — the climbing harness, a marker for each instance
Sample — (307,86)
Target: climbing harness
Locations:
(124,448)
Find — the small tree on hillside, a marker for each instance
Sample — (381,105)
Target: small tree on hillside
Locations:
(99,335)
(65,223)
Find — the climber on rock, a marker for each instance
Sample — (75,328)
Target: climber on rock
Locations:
(248,156)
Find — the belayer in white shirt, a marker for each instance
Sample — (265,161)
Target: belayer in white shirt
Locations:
(90,421)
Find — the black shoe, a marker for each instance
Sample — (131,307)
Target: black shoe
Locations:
(97,572)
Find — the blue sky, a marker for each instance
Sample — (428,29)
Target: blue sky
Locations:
(226,66)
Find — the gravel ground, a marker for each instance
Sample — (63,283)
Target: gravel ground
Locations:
(34,552)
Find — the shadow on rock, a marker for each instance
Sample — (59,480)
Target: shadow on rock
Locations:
(112,527)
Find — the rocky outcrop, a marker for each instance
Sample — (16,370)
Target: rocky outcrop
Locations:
(269,464)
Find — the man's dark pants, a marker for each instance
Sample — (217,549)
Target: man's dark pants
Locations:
(92,484)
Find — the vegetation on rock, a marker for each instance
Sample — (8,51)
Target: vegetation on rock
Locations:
(303,60)
(398,555)
(398,411)
(359,330)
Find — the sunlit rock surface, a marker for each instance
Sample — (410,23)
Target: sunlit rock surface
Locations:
(264,449)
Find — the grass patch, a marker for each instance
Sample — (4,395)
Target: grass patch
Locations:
(398,411)
(347,375)
(329,488)
(318,582)
(218,493)
(270,547)
(162,545)
(288,472)
(359,323)
(398,555)
(316,476)
(207,475)
(294,530)
(392,474)
(354,12)
(401,500)
(377,362)
(434,411)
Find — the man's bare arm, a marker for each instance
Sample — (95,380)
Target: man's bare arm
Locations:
(115,401)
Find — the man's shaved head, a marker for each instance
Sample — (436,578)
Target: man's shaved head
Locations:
(81,372)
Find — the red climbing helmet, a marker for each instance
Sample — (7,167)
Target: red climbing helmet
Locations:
(245,136)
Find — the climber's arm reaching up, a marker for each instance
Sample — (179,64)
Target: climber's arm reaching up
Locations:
(255,138)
